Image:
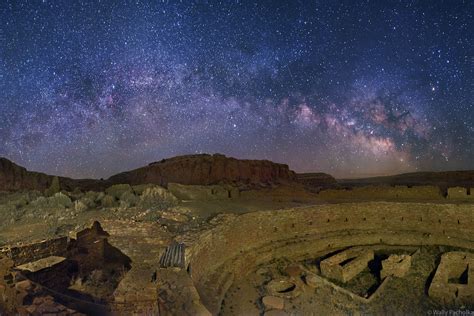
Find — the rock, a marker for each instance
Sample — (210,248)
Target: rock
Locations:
(311,281)
(14,177)
(177,217)
(294,271)
(192,169)
(24,285)
(205,170)
(274,287)
(273,302)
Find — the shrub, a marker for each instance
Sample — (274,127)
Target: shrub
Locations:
(108,201)
(80,206)
(157,197)
(128,199)
(84,204)
(139,189)
(59,200)
(118,189)
(53,188)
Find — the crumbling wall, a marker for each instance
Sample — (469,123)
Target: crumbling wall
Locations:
(395,265)
(383,193)
(35,251)
(460,193)
(447,285)
(227,251)
(335,267)
(53,264)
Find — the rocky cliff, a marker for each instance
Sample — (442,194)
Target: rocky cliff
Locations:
(192,169)
(207,169)
(14,177)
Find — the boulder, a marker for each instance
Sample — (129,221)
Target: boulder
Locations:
(273,302)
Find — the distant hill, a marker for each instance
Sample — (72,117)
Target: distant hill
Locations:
(316,179)
(442,179)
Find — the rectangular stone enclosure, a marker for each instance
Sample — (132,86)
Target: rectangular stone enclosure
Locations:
(453,283)
(396,265)
(345,265)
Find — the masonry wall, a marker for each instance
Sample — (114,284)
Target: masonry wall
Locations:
(461,193)
(399,192)
(384,192)
(32,252)
(228,251)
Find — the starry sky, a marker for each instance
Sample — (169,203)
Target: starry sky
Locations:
(352,88)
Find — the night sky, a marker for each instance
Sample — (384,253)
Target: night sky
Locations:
(352,88)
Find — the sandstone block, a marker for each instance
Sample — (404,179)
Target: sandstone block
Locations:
(273,302)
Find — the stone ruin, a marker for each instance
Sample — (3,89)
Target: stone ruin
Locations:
(225,252)
(398,192)
(348,264)
(453,284)
(395,265)
(196,277)
(345,265)
(460,193)
(81,273)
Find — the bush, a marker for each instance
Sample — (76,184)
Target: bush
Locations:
(84,204)
(59,200)
(139,189)
(108,201)
(53,188)
(128,199)
(40,202)
(79,206)
(158,197)
(118,189)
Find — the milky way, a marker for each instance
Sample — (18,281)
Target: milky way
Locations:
(352,88)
